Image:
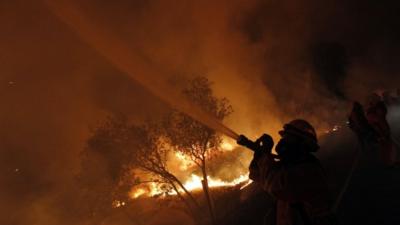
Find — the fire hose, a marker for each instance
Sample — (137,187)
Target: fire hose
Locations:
(349,176)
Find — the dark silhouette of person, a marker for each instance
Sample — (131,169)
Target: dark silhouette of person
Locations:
(294,177)
(373,130)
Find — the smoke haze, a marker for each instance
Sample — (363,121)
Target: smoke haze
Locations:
(274,60)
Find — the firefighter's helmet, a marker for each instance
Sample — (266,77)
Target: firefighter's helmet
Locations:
(373,99)
(303,129)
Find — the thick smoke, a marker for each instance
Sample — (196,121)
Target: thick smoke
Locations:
(275,60)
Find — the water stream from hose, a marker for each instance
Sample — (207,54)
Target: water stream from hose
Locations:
(116,51)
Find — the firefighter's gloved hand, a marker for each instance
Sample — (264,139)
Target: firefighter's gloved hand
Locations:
(265,143)
(243,140)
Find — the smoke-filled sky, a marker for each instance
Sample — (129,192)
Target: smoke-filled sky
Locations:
(274,60)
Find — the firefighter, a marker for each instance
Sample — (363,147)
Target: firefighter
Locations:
(372,128)
(294,177)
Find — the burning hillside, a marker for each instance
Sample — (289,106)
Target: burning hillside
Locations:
(191,182)
(101,125)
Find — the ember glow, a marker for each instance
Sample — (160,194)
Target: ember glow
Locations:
(192,184)
(227,145)
(335,128)
(195,182)
(117,204)
(149,190)
(184,162)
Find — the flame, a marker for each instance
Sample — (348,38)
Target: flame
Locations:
(333,129)
(184,161)
(137,193)
(194,182)
(149,190)
(227,144)
(117,204)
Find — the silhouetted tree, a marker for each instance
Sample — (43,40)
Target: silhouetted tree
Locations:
(194,139)
(114,152)
(118,148)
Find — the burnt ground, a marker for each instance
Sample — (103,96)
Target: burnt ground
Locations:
(372,196)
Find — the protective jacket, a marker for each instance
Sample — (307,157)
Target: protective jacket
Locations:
(299,187)
(372,128)
(376,116)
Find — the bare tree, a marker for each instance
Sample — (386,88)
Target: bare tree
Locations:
(150,155)
(194,139)
(114,151)
(117,148)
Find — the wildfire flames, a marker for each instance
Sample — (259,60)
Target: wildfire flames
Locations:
(194,182)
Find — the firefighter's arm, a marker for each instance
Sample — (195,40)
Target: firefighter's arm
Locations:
(260,166)
(262,148)
(263,144)
(264,159)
